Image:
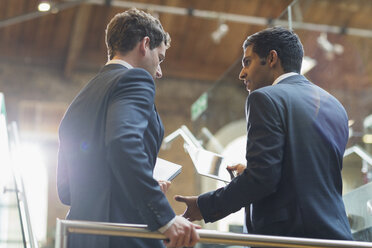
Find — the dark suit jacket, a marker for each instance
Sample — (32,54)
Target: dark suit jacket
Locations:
(109,140)
(297,134)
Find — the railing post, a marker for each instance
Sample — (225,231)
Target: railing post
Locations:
(61,235)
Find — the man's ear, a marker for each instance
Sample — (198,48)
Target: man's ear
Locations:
(273,58)
(144,45)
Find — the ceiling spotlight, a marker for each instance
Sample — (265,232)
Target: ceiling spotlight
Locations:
(220,32)
(44,6)
(330,49)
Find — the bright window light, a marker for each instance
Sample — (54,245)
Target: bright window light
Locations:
(307,64)
(234,153)
(35,179)
(367,138)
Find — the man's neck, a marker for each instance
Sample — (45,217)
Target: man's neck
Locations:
(120,62)
(130,57)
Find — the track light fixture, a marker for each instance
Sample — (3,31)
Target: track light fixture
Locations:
(330,49)
(220,32)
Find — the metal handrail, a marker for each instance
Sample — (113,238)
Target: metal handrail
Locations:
(64,227)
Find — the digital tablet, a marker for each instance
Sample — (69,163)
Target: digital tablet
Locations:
(209,164)
(165,170)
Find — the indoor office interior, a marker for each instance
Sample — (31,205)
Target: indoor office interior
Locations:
(49,49)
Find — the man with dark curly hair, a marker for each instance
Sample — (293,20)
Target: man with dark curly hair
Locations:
(296,138)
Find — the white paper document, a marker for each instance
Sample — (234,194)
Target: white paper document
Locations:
(165,170)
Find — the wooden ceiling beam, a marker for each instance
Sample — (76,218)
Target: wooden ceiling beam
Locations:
(77,37)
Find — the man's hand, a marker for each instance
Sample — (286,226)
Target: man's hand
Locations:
(181,233)
(238,168)
(192,211)
(164,185)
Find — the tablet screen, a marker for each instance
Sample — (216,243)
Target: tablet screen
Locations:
(209,164)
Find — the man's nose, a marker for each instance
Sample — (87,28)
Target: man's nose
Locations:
(159,73)
(242,74)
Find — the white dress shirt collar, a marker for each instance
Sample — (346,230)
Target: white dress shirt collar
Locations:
(284,76)
(120,62)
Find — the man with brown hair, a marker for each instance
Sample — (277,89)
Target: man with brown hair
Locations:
(110,137)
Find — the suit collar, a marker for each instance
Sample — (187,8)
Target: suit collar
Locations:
(294,78)
(112,67)
(284,76)
(120,62)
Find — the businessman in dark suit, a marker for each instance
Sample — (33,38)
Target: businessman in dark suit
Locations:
(297,134)
(110,137)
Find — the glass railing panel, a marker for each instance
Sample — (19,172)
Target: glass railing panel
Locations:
(11,233)
(10,226)
(358,205)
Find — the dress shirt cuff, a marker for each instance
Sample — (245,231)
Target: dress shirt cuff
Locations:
(166,226)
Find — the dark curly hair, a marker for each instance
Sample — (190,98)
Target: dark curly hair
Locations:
(285,42)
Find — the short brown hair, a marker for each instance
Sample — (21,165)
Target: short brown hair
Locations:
(126,29)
